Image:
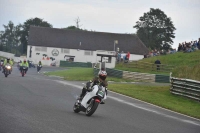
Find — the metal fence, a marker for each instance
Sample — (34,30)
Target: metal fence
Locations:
(149,66)
(75,64)
(185,87)
(135,76)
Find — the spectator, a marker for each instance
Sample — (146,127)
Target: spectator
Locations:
(184,48)
(195,47)
(157,62)
(128,55)
(198,44)
(122,56)
(180,47)
(118,57)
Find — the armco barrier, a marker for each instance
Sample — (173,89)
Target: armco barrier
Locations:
(185,87)
(142,77)
(162,78)
(136,76)
(114,72)
(75,64)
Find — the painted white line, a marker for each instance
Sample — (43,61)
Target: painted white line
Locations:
(154,111)
(143,108)
(155,105)
(134,105)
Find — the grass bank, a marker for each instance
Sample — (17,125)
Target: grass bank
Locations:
(81,74)
(186,65)
(158,95)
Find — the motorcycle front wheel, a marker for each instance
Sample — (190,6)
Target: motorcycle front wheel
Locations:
(23,73)
(76,108)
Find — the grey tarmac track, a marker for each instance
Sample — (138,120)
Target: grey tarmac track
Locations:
(41,104)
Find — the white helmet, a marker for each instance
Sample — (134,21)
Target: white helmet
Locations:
(102,74)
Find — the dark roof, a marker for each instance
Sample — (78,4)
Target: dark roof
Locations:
(105,55)
(62,38)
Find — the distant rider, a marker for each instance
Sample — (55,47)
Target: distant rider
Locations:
(24,64)
(39,66)
(7,61)
(100,80)
(1,63)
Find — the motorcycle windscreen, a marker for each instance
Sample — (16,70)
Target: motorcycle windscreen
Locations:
(89,95)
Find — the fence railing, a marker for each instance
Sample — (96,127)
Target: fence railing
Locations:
(149,66)
(75,64)
(185,87)
(136,76)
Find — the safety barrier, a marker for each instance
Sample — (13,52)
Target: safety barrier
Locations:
(185,87)
(136,76)
(75,64)
(149,66)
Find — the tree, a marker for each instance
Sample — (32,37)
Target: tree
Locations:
(77,23)
(10,37)
(155,29)
(72,28)
(26,26)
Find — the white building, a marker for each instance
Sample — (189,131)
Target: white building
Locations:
(51,45)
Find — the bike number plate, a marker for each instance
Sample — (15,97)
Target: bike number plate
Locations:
(101,93)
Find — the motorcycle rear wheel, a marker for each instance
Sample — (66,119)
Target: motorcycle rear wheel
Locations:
(91,108)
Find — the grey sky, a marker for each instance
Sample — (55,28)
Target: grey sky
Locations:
(115,16)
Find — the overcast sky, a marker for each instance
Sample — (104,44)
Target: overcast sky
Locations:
(114,16)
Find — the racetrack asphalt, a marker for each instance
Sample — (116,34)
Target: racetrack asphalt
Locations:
(41,104)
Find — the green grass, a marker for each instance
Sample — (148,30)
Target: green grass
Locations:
(81,74)
(186,65)
(160,96)
(121,66)
(177,59)
(78,74)
(2,57)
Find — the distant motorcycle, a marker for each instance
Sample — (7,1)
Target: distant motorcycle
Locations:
(7,70)
(18,65)
(1,65)
(31,64)
(91,100)
(39,68)
(53,64)
(23,72)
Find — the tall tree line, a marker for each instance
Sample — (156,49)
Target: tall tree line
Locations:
(154,28)
(14,39)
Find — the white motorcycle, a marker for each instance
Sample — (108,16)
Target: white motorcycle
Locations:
(91,100)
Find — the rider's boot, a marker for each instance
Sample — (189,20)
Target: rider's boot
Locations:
(103,102)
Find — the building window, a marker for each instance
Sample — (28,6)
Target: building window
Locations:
(88,52)
(41,49)
(65,51)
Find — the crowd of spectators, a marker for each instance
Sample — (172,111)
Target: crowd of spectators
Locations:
(160,52)
(123,57)
(189,46)
(184,47)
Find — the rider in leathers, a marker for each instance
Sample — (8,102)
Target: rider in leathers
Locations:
(100,80)
(7,61)
(24,63)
